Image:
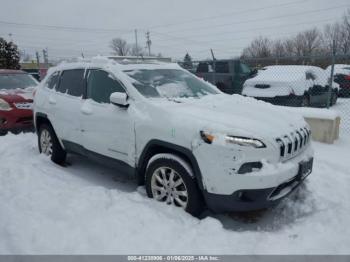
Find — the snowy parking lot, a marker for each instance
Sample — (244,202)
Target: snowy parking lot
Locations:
(90,209)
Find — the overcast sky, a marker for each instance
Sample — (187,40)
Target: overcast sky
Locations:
(69,28)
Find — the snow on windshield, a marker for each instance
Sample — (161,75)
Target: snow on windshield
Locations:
(170,83)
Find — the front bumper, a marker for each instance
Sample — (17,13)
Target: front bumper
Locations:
(16,120)
(225,189)
(255,199)
(290,100)
(344,92)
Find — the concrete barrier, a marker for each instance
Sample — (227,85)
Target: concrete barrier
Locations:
(324,130)
(324,123)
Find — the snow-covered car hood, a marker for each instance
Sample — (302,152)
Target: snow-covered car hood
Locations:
(17,95)
(233,114)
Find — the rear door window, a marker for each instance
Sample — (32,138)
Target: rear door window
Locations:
(100,86)
(72,82)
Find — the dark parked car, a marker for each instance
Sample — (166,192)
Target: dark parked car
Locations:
(227,75)
(342,78)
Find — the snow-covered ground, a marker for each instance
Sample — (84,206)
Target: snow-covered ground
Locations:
(87,208)
(343,107)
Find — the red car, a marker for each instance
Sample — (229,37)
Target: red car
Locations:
(16,100)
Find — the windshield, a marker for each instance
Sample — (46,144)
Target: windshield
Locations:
(170,83)
(13,81)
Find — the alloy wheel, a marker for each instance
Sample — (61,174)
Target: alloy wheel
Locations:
(46,142)
(168,186)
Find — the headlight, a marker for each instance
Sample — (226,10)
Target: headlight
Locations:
(4,106)
(242,141)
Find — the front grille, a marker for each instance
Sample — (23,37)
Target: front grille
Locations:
(262,86)
(24,105)
(292,144)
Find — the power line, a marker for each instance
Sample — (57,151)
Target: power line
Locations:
(229,14)
(69,28)
(263,19)
(259,29)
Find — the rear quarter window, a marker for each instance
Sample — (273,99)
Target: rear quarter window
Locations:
(52,82)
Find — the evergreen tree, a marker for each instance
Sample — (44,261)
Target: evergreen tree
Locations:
(9,55)
(188,61)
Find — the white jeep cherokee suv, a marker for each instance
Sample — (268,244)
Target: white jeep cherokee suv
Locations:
(191,145)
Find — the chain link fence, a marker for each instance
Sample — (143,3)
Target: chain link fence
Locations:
(321,82)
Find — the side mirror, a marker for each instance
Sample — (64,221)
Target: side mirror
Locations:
(253,72)
(119,99)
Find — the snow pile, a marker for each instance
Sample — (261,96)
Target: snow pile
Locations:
(86,208)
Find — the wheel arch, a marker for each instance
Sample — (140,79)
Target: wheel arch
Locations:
(41,118)
(155,147)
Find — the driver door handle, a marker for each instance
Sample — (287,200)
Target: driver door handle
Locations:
(86,110)
(52,101)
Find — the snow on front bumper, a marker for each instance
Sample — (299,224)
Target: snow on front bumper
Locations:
(219,165)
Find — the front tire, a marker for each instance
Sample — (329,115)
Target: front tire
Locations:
(3,132)
(167,180)
(334,98)
(49,144)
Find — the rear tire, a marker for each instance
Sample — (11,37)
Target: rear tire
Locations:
(167,180)
(305,101)
(49,144)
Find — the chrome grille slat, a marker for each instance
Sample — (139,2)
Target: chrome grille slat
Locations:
(292,144)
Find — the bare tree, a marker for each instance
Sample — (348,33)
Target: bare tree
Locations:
(120,46)
(289,47)
(307,43)
(331,34)
(259,47)
(278,48)
(345,33)
(136,50)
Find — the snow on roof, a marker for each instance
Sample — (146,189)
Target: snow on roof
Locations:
(291,68)
(339,69)
(11,71)
(121,65)
(288,73)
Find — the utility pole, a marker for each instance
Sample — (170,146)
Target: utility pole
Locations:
(148,42)
(37,59)
(330,86)
(214,65)
(45,56)
(136,44)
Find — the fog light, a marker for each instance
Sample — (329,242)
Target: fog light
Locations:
(249,167)
(2,121)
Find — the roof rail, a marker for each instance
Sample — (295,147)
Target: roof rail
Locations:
(139,59)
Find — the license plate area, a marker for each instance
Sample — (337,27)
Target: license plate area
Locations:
(305,168)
